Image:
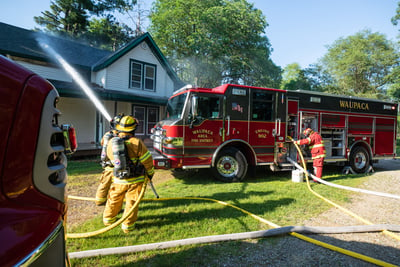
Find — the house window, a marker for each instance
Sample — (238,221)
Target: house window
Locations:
(147,117)
(150,77)
(143,76)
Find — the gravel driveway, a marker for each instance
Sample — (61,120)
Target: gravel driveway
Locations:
(290,251)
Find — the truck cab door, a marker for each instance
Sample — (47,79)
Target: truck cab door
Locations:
(237,113)
(203,130)
(267,123)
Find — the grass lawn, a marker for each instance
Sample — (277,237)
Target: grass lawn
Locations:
(272,196)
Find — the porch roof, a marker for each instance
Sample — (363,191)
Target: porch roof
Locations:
(69,89)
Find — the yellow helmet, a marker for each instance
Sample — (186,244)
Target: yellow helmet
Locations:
(127,124)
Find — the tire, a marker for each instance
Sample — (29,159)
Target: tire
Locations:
(230,166)
(359,160)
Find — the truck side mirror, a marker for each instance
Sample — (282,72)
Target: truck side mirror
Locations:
(195,104)
(193,114)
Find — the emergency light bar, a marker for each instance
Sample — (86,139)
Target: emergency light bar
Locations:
(389,107)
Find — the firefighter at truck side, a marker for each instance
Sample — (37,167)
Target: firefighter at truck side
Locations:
(106,176)
(318,152)
(131,186)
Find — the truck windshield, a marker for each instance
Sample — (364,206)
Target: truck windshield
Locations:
(175,107)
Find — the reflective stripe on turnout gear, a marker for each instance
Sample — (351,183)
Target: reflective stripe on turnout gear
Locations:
(109,221)
(101,199)
(128,227)
(318,145)
(132,180)
(319,156)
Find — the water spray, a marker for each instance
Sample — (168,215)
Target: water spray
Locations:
(76,77)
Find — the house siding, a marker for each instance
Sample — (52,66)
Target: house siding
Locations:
(117,74)
(82,115)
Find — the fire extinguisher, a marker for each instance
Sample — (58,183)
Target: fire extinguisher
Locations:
(70,143)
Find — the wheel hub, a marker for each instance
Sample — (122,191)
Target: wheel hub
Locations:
(227,166)
(360,160)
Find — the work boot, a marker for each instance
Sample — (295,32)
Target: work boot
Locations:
(127,229)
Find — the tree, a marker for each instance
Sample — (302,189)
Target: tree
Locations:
(211,41)
(82,19)
(394,90)
(66,17)
(106,33)
(396,17)
(294,78)
(361,64)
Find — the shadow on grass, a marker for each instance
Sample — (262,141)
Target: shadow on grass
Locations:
(205,176)
(220,212)
(263,173)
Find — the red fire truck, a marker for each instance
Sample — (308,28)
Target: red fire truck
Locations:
(231,128)
(33,174)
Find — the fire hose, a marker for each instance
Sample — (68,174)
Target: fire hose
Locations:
(359,190)
(277,230)
(115,224)
(304,168)
(292,230)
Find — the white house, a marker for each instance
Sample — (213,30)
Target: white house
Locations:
(137,80)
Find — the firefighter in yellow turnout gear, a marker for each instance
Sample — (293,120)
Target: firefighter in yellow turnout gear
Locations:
(127,183)
(107,174)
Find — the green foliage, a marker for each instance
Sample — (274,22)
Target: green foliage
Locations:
(213,40)
(396,18)
(294,78)
(361,64)
(79,19)
(272,196)
(106,33)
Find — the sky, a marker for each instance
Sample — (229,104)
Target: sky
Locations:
(299,31)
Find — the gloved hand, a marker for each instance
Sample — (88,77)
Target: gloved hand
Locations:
(150,176)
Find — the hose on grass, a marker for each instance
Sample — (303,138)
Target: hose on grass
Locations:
(304,168)
(292,230)
(115,224)
(234,237)
(210,239)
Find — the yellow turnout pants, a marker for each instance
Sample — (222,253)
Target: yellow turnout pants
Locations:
(115,200)
(104,186)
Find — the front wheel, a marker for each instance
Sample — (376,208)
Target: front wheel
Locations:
(359,159)
(230,165)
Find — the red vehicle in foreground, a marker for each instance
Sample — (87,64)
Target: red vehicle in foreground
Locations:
(32,170)
(231,128)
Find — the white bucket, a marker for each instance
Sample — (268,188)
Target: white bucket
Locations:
(297,176)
